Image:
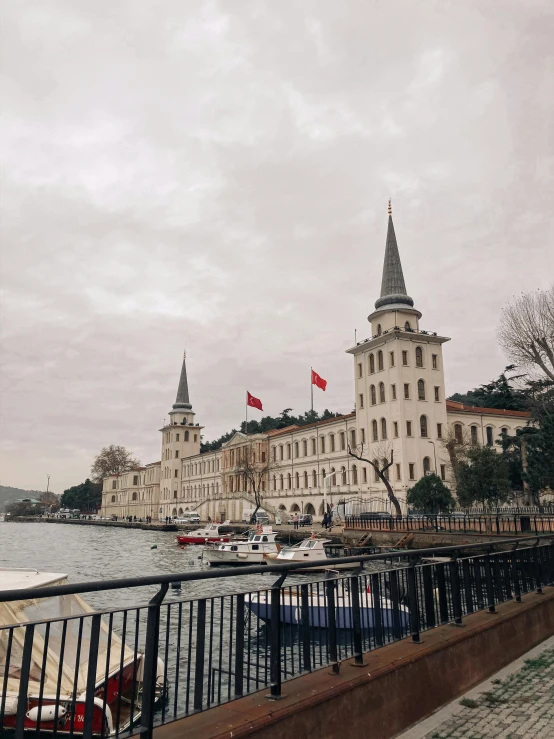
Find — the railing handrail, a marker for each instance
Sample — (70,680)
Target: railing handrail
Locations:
(135,582)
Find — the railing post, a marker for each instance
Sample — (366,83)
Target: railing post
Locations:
(430,620)
(275,640)
(200,648)
(151,662)
(395,601)
(456,593)
(377,613)
(332,625)
(239,646)
(488,583)
(538,567)
(22,699)
(443,600)
(356,620)
(412,603)
(466,574)
(516,574)
(91,676)
(305,631)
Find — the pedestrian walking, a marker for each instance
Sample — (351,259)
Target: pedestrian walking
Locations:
(325,521)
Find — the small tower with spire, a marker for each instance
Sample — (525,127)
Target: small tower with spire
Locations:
(180,439)
(399,381)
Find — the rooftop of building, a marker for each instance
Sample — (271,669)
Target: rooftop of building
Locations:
(454,405)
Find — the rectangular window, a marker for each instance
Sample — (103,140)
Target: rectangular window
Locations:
(376,476)
(176,437)
(274,453)
(176,473)
(437,393)
(489,435)
(434,360)
(176,454)
(361,397)
(305,448)
(263,456)
(443,472)
(412,471)
(362,432)
(391,355)
(314,448)
(439,430)
(114,484)
(408,428)
(135,479)
(195,437)
(398,477)
(360,371)
(395,428)
(405,358)
(393,391)
(407,390)
(474,434)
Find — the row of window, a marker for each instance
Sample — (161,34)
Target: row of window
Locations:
(377,361)
(379,392)
(202,468)
(186,437)
(474,433)
(284,451)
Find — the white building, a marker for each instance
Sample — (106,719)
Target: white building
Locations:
(400,409)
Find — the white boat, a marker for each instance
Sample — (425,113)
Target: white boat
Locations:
(308,550)
(291,611)
(56,691)
(245,551)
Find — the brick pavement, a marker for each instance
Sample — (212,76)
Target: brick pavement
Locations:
(519,705)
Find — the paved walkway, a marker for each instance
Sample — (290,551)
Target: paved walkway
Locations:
(516,702)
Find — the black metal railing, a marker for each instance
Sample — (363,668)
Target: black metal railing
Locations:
(497,525)
(221,647)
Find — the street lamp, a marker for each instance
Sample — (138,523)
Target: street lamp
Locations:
(434,453)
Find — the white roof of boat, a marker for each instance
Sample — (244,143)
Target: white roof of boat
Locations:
(20,579)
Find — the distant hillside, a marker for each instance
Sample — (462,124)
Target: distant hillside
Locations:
(7,494)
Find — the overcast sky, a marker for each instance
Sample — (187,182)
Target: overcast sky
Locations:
(215,175)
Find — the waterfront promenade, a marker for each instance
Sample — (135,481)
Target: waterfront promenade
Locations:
(518,701)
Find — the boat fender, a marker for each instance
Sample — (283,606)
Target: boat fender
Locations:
(48,713)
(154,546)
(160,669)
(108,714)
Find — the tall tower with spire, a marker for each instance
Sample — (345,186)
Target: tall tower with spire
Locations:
(399,381)
(180,439)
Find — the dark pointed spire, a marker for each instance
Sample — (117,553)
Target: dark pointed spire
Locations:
(182,401)
(393,287)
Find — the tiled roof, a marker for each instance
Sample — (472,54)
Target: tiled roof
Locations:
(453,405)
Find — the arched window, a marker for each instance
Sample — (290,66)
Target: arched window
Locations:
(373,395)
(504,431)
(134,496)
(275,482)
(380,360)
(295,508)
(297,480)
(371,364)
(421,390)
(407,326)
(474,434)
(343,475)
(353,438)
(281,482)
(314,478)
(378,329)
(186,435)
(426,465)
(288,451)
(289,481)
(419,357)
(374,434)
(489,433)
(332,442)
(383,428)
(308,508)
(305,479)
(423,426)
(381,392)
(322,444)
(113,498)
(280,451)
(342,440)
(305,447)
(296,449)
(354,475)
(458,433)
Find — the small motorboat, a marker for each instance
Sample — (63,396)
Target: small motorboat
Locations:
(57,688)
(210,532)
(308,550)
(291,612)
(244,551)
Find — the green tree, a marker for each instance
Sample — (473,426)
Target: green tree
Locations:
(86,497)
(499,393)
(483,478)
(430,495)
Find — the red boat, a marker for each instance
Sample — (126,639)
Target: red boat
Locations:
(56,693)
(211,532)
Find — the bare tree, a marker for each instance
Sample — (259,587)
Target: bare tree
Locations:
(526,331)
(383,460)
(456,445)
(112,460)
(255,471)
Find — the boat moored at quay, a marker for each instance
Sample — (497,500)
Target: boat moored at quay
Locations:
(212,532)
(244,550)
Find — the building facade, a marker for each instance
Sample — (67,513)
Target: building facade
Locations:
(401,415)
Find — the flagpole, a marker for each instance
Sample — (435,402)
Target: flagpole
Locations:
(246,426)
(312,387)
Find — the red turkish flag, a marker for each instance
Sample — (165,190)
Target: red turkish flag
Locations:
(319,381)
(253,402)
